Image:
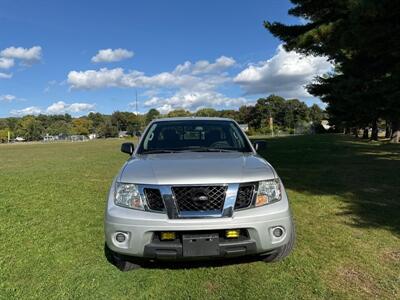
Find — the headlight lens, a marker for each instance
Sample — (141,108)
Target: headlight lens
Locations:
(269,191)
(127,195)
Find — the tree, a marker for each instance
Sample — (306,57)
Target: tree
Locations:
(4,135)
(81,126)
(106,129)
(354,35)
(179,113)
(316,114)
(206,112)
(29,128)
(151,115)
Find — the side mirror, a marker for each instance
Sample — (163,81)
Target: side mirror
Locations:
(260,145)
(127,148)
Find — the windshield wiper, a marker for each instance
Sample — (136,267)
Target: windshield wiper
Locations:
(206,149)
(156,151)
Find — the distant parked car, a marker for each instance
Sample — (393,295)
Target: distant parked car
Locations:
(195,188)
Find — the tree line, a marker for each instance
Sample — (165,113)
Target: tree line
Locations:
(361,39)
(270,113)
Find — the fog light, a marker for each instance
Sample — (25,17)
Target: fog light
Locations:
(120,237)
(168,236)
(232,233)
(278,232)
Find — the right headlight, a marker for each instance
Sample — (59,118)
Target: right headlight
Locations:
(269,191)
(127,195)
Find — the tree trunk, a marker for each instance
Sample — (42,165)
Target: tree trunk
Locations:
(374,133)
(347,130)
(388,131)
(365,133)
(395,138)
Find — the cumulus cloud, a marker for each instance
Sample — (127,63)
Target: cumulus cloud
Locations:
(7,98)
(5,75)
(29,55)
(194,101)
(61,107)
(199,75)
(110,55)
(285,74)
(56,108)
(203,66)
(32,110)
(6,63)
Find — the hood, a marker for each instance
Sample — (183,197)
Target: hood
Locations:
(196,168)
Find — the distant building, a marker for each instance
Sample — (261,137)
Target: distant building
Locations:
(244,127)
(325,124)
(49,138)
(123,134)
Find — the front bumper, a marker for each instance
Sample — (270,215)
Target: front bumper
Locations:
(140,228)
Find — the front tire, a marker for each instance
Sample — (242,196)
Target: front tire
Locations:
(118,260)
(284,250)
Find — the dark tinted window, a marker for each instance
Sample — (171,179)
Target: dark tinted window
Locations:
(194,135)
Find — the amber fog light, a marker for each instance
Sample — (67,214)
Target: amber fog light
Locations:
(232,233)
(167,236)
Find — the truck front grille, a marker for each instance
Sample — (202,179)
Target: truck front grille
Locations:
(154,199)
(245,195)
(199,198)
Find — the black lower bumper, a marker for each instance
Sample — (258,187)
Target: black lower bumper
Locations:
(173,250)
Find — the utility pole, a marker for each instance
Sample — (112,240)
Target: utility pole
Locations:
(136,112)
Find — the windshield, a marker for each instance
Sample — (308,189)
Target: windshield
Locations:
(193,136)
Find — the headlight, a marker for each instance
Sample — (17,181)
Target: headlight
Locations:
(127,195)
(269,191)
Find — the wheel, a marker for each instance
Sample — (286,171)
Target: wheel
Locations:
(284,250)
(118,260)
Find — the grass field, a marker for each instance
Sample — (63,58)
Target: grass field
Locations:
(345,197)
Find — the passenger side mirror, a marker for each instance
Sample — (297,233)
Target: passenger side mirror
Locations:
(127,148)
(260,145)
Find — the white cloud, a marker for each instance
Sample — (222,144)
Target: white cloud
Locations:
(201,75)
(56,108)
(110,55)
(7,98)
(6,63)
(5,76)
(194,101)
(203,66)
(32,110)
(61,107)
(29,55)
(92,79)
(285,74)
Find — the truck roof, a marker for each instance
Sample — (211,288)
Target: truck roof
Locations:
(192,118)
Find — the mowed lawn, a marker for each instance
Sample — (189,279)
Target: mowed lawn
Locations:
(345,197)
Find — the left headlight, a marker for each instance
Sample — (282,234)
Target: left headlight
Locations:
(127,195)
(269,191)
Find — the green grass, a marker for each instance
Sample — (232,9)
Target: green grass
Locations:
(345,199)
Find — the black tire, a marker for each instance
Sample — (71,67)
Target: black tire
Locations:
(284,250)
(118,260)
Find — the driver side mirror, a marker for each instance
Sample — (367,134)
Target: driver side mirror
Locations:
(127,148)
(260,145)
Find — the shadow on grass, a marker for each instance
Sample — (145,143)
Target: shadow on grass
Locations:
(366,175)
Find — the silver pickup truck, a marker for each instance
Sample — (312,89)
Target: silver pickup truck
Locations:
(195,188)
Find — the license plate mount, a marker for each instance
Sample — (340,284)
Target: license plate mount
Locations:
(197,245)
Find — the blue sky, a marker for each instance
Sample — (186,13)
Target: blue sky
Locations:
(81,56)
